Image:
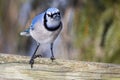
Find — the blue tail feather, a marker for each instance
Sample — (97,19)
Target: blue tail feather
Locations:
(26,32)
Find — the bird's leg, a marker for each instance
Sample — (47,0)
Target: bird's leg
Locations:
(52,55)
(34,56)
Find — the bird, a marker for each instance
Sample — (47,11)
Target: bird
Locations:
(44,29)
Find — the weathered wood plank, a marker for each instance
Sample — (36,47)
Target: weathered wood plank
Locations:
(14,67)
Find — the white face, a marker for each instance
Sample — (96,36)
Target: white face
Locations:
(53,14)
(53,17)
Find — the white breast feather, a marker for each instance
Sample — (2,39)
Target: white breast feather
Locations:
(42,35)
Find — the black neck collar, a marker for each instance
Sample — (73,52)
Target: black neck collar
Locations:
(48,28)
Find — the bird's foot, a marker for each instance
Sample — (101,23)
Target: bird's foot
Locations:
(52,58)
(31,62)
(37,56)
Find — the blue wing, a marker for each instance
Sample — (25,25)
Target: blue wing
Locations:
(35,20)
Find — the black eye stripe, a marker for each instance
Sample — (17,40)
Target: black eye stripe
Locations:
(57,13)
(51,15)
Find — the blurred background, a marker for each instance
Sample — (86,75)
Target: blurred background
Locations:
(91,29)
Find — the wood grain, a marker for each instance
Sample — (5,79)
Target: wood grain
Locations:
(15,67)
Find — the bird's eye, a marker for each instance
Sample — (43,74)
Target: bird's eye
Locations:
(52,15)
(49,15)
(58,13)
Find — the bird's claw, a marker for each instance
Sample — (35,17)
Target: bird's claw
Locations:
(52,58)
(31,62)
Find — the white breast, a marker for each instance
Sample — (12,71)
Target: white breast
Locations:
(42,35)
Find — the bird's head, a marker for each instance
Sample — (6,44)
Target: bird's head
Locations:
(52,18)
(53,14)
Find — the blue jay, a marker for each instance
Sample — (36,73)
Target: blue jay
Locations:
(44,28)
